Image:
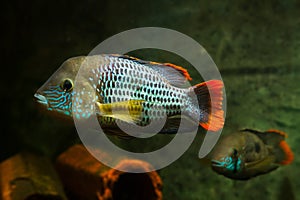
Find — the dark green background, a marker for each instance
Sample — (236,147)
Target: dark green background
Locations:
(255,44)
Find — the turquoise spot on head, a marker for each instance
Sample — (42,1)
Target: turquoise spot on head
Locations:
(58,100)
(229,163)
(232,164)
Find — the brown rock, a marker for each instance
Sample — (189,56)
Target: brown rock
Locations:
(89,179)
(27,177)
(133,186)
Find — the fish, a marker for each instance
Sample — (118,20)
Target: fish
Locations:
(249,153)
(122,88)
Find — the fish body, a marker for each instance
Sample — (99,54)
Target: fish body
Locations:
(249,153)
(130,90)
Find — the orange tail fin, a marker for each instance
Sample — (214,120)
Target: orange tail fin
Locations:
(285,155)
(210,97)
(289,156)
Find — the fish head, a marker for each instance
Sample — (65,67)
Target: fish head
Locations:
(228,165)
(57,92)
(228,156)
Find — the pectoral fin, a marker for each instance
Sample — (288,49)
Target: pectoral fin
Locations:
(129,111)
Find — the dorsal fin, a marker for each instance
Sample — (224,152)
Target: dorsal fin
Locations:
(270,137)
(277,131)
(178,68)
(176,75)
(251,130)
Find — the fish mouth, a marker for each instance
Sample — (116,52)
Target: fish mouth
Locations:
(41,99)
(216,163)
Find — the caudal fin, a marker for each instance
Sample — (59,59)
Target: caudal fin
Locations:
(289,156)
(210,97)
(284,154)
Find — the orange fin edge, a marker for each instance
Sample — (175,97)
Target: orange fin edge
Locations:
(277,131)
(183,71)
(289,155)
(216,116)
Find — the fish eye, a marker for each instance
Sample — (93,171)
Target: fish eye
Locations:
(67,85)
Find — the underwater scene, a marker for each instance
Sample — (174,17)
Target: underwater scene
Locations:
(255,105)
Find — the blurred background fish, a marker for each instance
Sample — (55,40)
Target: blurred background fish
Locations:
(131,90)
(250,153)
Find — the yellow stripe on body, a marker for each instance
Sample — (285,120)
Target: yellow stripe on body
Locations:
(128,111)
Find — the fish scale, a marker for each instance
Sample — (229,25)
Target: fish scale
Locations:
(148,86)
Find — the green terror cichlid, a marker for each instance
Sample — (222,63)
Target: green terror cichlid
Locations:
(117,85)
(249,153)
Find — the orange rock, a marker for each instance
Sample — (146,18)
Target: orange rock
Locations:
(87,178)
